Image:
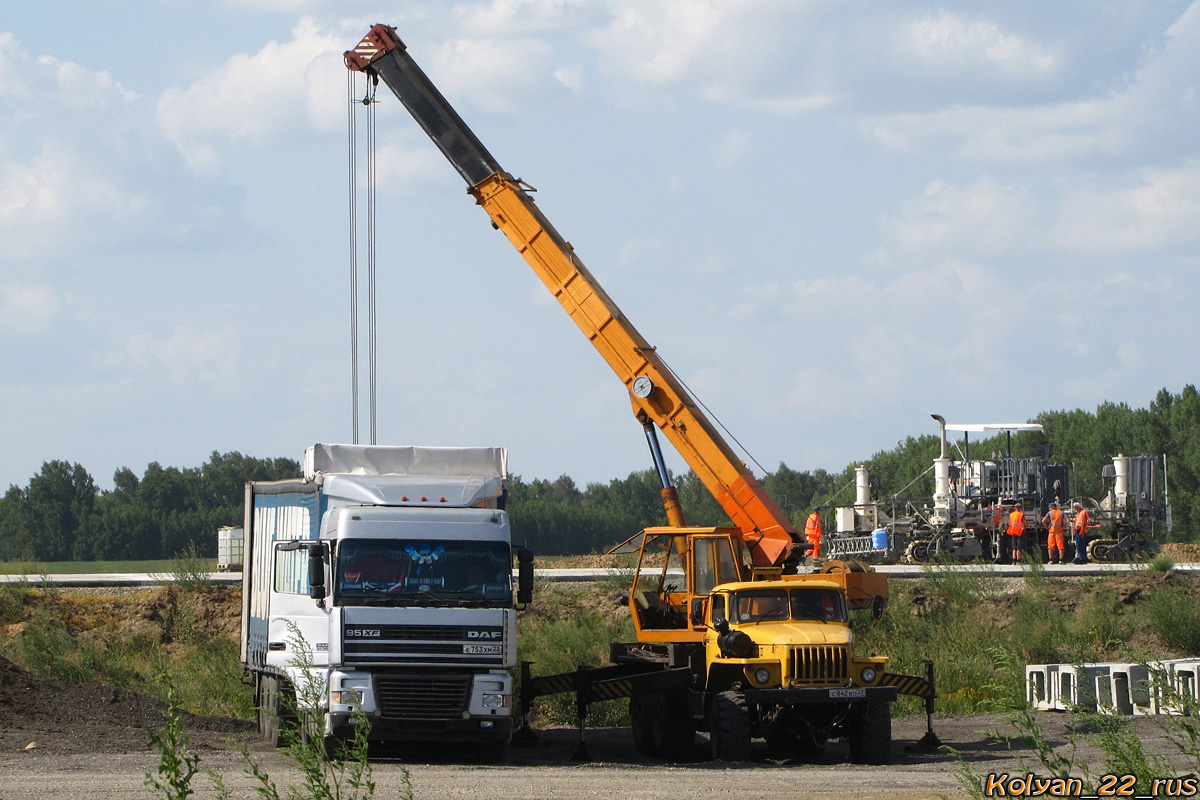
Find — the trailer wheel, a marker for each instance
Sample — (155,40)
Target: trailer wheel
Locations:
(871,734)
(729,727)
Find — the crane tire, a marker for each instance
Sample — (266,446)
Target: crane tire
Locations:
(729,727)
(871,734)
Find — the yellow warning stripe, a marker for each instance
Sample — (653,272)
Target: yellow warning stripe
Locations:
(907,684)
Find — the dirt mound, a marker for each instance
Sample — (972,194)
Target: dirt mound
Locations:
(48,716)
(1182,553)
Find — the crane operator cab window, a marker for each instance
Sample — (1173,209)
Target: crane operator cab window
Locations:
(714,563)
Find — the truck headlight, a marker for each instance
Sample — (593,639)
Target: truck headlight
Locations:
(762,676)
(868,674)
(493,701)
(347,697)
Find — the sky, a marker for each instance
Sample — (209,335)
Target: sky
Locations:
(833,218)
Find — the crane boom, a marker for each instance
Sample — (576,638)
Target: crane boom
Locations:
(658,397)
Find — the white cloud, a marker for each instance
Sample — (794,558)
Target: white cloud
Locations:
(26,309)
(252,98)
(570,76)
(488,73)
(45,201)
(731,148)
(1155,105)
(190,355)
(986,218)
(83,88)
(951,41)
(11,81)
(518,16)
(1161,210)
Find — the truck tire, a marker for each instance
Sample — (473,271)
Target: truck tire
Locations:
(641,723)
(871,734)
(268,709)
(674,731)
(662,726)
(729,727)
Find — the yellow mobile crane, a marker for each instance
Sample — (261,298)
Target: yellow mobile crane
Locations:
(738,649)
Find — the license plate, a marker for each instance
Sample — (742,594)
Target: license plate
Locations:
(483,649)
(847,693)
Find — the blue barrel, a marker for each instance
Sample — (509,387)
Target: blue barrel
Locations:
(879,539)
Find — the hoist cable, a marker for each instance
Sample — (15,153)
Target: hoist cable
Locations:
(371,318)
(352,139)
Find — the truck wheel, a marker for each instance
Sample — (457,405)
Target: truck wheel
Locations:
(268,709)
(674,731)
(871,734)
(641,722)
(729,727)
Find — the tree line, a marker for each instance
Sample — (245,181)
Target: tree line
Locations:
(62,515)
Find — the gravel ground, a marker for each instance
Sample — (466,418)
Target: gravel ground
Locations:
(547,769)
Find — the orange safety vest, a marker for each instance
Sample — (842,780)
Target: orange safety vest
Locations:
(812,532)
(1016,522)
(1081,522)
(812,528)
(1056,521)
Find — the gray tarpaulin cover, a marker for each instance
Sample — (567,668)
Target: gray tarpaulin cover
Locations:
(362,459)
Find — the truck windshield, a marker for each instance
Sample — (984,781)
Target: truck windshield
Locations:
(423,572)
(771,605)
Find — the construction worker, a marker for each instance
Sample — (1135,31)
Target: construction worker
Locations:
(1016,531)
(1079,528)
(812,532)
(1055,541)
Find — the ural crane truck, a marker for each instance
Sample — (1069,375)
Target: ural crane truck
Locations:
(380,585)
(730,639)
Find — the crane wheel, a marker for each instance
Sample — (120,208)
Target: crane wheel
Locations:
(841,567)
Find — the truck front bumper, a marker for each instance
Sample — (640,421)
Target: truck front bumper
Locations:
(837,694)
(476,729)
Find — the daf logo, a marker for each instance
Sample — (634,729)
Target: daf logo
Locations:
(485,634)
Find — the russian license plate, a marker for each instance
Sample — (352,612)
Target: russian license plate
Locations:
(483,649)
(847,694)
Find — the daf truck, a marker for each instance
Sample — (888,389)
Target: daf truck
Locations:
(377,590)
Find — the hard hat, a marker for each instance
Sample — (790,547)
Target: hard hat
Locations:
(1076,505)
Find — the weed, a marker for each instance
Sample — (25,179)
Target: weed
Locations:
(176,765)
(1162,563)
(1175,614)
(959,586)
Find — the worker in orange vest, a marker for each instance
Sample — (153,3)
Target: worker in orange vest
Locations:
(812,532)
(1016,531)
(1079,527)
(1053,523)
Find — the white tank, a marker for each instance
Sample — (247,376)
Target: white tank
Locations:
(1121,479)
(862,485)
(941,487)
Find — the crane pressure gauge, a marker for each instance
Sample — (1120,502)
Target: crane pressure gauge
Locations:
(642,387)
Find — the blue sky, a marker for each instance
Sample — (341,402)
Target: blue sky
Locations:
(832,218)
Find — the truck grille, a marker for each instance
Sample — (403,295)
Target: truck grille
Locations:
(474,645)
(819,664)
(422,697)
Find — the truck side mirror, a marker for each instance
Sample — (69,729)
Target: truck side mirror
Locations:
(698,604)
(316,572)
(524,576)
